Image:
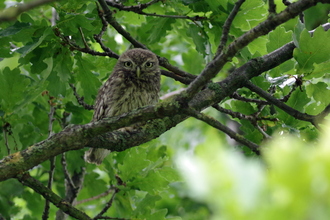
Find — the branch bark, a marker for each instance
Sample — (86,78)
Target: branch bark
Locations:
(37,186)
(98,134)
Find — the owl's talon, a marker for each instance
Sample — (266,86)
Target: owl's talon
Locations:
(125,129)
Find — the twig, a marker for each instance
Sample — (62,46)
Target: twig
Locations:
(226,26)
(83,37)
(66,172)
(81,99)
(112,21)
(165,63)
(139,10)
(13,12)
(216,124)
(106,217)
(264,134)
(48,194)
(291,111)
(134,8)
(301,15)
(95,197)
(240,115)
(74,46)
(108,205)
(51,160)
(5,127)
(286,97)
(237,96)
(98,37)
(272,7)
(172,75)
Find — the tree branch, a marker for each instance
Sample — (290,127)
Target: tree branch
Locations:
(81,136)
(95,197)
(139,10)
(13,12)
(216,124)
(226,26)
(263,28)
(38,187)
(162,61)
(52,160)
(291,111)
(80,99)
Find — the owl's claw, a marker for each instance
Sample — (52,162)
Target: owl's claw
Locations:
(129,129)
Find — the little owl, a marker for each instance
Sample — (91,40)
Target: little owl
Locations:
(134,82)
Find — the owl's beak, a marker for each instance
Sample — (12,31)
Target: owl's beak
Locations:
(138,71)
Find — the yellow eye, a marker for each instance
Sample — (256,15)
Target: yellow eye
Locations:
(127,64)
(149,64)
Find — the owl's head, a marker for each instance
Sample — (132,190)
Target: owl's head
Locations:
(138,62)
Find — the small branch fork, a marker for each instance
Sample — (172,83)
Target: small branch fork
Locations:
(81,99)
(139,10)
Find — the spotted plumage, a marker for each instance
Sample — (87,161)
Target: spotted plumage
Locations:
(134,82)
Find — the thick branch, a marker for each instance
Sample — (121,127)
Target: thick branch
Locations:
(87,135)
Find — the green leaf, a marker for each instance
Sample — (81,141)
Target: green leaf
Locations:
(134,162)
(12,86)
(79,114)
(242,107)
(298,28)
(319,70)
(63,65)
(197,5)
(99,185)
(88,82)
(298,100)
(31,46)
(282,68)
(159,26)
(214,4)
(278,38)
(314,16)
(315,108)
(320,92)
(55,86)
(312,50)
(258,44)
(250,10)
(199,40)
(193,67)
(144,208)
(70,23)
(11,30)
(152,183)
(170,174)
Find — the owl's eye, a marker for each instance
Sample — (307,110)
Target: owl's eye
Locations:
(127,64)
(149,64)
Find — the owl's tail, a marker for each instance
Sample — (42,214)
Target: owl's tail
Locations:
(96,155)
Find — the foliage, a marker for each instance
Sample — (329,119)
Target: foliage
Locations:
(225,179)
(290,182)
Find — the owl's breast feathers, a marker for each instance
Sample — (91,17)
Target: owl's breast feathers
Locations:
(124,93)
